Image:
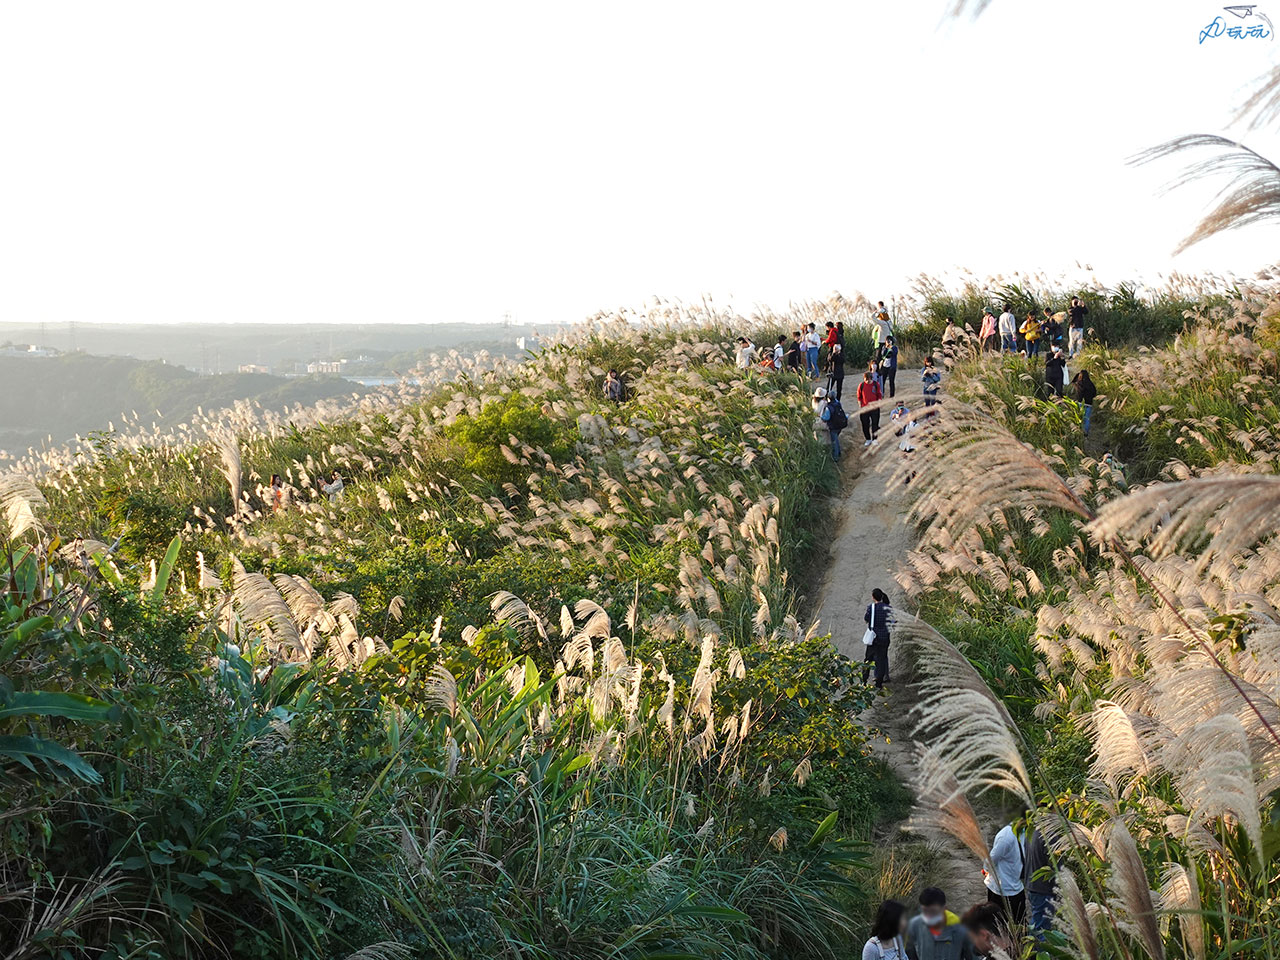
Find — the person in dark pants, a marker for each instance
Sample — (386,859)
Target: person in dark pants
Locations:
(836,385)
(889,369)
(877,617)
(1086,393)
(1055,369)
(868,396)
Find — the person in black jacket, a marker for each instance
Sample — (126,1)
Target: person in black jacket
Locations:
(889,369)
(877,617)
(1086,393)
(1055,369)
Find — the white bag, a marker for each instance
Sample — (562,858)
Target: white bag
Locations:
(869,637)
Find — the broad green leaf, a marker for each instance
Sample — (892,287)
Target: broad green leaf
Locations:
(24,750)
(165,570)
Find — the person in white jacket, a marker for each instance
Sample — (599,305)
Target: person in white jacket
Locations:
(746,353)
(1008,331)
(1003,875)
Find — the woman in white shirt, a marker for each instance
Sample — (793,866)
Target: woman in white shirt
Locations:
(746,353)
(886,941)
(1003,875)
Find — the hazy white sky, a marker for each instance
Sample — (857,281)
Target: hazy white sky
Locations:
(411,161)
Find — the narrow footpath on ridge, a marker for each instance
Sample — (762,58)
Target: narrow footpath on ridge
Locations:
(872,538)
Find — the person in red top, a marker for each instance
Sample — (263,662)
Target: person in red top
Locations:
(832,338)
(868,394)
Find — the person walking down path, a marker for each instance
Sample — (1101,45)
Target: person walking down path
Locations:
(883,329)
(1003,875)
(1075,322)
(930,378)
(836,419)
(830,342)
(869,394)
(889,369)
(878,617)
(812,345)
(936,933)
(1086,393)
(887,931)
(1008,329)
(1055,371)
(987,335)
(1031,334)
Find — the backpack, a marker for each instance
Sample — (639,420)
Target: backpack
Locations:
(834,416)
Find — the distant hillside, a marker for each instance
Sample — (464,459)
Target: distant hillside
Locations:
(219,347)
(79,393)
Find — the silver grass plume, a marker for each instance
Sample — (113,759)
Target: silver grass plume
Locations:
(261,605)
(941,804)
(1073,915)
(442,690)
(1251,195)
(1129,878)
(228,446)
(1180,896)
(19,498)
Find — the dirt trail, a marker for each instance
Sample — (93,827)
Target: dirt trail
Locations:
(871,541)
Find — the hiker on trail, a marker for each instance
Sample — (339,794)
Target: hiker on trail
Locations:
(1075,333)
(902,424)
(1003,875)
(613,387)
(830,342)
(1040,880)
(868,395)
(836,419)
(1008,327)
(840,332)
(1055,371)
(878,617)
(987,336)
(277,493)
(333,489)
(873,368)
(1031,334)
(793,353)
(836,381)
(779,352)
(1086,393)
(889,369)
(930,377)
(1051,327)
(989,932)
(936,933)
(812,344)
(746,353)
(882,329)
(950,337)
(887,941)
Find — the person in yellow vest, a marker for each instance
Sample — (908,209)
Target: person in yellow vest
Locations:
(1030,331)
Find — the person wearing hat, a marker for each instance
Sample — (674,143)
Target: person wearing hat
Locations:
(1055,372)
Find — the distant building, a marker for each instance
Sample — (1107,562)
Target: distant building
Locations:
(254,368)
(27,350)
(326,366)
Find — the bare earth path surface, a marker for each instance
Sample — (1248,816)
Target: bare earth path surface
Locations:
(870,543)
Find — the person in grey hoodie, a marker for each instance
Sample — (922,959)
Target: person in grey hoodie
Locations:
(934,934)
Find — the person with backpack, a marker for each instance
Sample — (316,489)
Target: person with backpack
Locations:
(1086,393)
(779,352)
(613,387)
(936,933)
(886,942)
(876,638)
(836,419)
(930,378)
(882,329)
(889,369)
(868,395)
(1041,884)
(835,383)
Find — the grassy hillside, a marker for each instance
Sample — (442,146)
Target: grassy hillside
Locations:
(79,393)
(533,686)
(1110,605)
